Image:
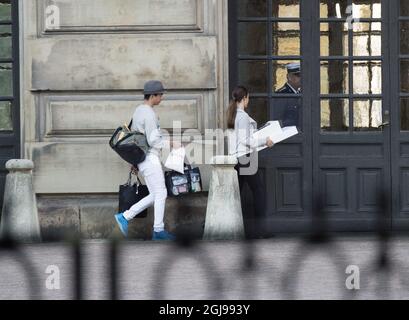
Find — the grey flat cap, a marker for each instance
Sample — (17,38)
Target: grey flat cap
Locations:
(153,87)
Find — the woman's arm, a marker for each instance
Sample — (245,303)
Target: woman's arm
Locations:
(245,135)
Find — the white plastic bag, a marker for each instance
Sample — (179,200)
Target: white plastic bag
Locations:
(176,160)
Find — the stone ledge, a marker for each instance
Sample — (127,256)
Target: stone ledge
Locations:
(59,218)
(93,217)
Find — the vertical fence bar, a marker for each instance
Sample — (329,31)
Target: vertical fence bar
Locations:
(113,262)
(77,270)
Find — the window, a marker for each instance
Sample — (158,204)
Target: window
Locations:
(404,64)
(6,66)
(268,39)
(351,65)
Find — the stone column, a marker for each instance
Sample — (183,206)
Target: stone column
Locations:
(19,218)
(224,219)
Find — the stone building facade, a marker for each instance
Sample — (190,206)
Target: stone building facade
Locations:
(84,64)
(76,70)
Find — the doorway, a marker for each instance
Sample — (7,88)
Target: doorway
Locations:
(9,87)
(352,106)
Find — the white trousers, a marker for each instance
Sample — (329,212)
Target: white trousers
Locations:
(151,170)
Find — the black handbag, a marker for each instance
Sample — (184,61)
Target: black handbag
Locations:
(130,194)
(195,179)
(176,183)
(131,146)
(179,184)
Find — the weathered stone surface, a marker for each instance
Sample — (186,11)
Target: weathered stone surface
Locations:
(59,218)
(97,218)
(186,210)
(229,161)
(92,168)
(106,15)
(141,228)
(182,212)
(224,219)
(93,217)
(19,218)
(20,165)
(70,115)
(91,61)
(121,63)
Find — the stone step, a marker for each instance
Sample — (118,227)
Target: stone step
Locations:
(92,217)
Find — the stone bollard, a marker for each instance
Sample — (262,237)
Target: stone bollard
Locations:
(224,219)
(19,219)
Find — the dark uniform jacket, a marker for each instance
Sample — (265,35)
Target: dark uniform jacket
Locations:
(287,89)
(288,109)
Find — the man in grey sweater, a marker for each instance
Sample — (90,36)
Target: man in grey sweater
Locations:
(146,122)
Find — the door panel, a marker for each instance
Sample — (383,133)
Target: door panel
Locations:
(351,147)
(266,36)
(343,154)
(9,88)
(399,68)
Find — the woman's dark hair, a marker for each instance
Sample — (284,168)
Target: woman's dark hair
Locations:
(239,93)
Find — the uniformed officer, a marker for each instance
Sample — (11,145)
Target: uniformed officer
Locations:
(288,109)
(293,84)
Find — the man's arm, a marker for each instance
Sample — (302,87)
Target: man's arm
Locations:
(152,132)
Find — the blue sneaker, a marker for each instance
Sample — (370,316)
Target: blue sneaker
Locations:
(122,223)
(163,235)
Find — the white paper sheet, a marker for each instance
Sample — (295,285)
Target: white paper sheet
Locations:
(273,130)
(270,129)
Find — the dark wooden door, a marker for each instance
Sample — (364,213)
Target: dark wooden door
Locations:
(351,111)
(9,87)
(265,37)
(399,86)
(343,154)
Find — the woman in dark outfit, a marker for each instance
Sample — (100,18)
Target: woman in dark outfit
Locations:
(244,148)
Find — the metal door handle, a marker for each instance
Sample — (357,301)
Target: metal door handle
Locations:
(386,120)
(383,125)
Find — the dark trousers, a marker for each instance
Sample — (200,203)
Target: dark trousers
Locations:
(253,224)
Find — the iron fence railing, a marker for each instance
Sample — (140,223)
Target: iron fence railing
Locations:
(188,245)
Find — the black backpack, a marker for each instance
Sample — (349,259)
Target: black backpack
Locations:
(131,146)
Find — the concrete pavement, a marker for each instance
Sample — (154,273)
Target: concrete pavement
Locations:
(283,269)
